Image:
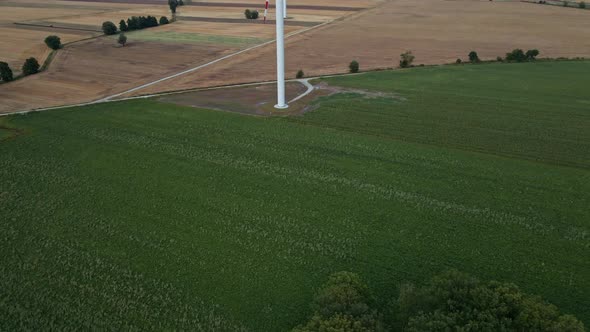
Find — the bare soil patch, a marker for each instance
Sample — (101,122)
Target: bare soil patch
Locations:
(253,100)
(260,99)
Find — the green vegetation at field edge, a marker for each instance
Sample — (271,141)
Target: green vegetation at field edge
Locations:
(193,38)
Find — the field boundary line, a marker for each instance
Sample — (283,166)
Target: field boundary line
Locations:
(237,85)
(38,25)
(167,93)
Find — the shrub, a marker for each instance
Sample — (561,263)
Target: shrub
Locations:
(173,4)
(147,22)
(565,3)
(454,301)
(150,22)
(251,14)
(143,22)
(458,61)
(344,303)
(122,39)
(517,55)
(53,42)
(582,5)
(300,74)
(354,66)
(123,26)
(5,72)
(164,20)
(407,58)
(473,57)
(109,28)
(532,54)
(30,67)
(133,23)
(499,59)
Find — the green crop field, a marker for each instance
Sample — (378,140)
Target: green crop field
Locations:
(146,215)
(193,38)
(4,134)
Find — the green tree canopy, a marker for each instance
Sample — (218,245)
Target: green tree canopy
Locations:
(122,40)
(532,54)
(344,303)
(406,59)
(354,66)
(473,57)
(455,301)
(53,42)
(5,72)
(30,67)
(173,4)
(123,26)
(517,55)
(109,28)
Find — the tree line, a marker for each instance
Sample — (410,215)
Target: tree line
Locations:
(451,301)
(133,23)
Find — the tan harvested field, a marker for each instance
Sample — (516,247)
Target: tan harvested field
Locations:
(9,14)
(437,31)
(91,69)
(18,44)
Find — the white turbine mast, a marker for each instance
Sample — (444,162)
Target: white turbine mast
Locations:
(281,8)
(284,8)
